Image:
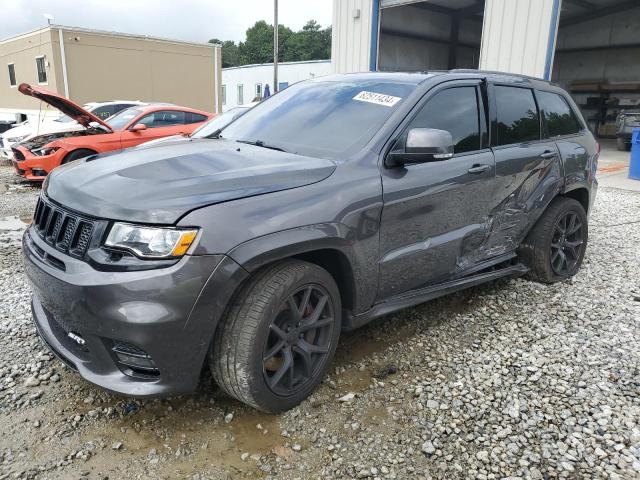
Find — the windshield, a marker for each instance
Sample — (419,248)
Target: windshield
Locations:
(320,118)
(122,118)
(218,123)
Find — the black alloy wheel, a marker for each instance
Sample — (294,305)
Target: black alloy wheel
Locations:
(276,341)
(566,244)
(299,340)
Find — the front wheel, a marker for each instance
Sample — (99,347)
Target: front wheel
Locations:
(76,155)
(277,339)
(555,246)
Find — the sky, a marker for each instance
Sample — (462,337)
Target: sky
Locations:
(190,20)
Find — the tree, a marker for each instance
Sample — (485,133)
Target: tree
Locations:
(230,52)
(311,43)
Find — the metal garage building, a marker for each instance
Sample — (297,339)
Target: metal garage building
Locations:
(591,47)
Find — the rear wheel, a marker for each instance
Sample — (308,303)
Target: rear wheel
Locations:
(555,247)
(77,154)
(278,338)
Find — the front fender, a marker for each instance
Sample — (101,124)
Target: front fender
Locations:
(350,243)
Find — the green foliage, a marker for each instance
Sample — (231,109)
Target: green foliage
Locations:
(311,43)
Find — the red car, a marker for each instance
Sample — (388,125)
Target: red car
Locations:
(35,158)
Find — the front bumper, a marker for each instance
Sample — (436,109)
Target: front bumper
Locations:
(170,313)
(36,168)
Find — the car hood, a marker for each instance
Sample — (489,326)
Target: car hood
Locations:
(163,183)
(66,106)
(46,128)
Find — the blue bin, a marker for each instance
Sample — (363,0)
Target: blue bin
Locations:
(634,165)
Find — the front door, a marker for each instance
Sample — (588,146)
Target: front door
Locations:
(435,215)
(159,124)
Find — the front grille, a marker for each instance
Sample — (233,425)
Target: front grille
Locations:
(67,232)
(17,154)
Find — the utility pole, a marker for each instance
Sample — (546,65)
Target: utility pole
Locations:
(275,46)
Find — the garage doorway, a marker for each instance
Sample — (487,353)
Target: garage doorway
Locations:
(429,35)
(597,59)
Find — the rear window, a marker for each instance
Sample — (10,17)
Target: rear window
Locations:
(518,119)
(558,118)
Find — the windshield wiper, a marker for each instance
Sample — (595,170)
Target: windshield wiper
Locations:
(215,134)
(260,143)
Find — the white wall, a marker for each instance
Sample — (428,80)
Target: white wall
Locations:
(351,35)
(250,75)
(515,36)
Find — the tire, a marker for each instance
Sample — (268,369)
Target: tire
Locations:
(255,325)
(550,255)
(76,155)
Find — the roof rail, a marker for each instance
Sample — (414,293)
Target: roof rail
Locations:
(494,72)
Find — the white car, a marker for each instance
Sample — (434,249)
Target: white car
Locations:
(61,124)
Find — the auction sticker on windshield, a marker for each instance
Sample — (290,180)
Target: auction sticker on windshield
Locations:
(377,98)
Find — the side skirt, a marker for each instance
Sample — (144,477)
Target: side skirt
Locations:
(416,297)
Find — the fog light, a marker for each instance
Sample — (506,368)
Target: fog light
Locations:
(38,172)
(133,360)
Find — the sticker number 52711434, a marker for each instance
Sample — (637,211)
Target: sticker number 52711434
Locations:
(377,98)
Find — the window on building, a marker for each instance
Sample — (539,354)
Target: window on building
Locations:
(240,94)
(558,117)
(42,70)
(12,74)
(259,90)
(456,111)
(224,94)
(518,119)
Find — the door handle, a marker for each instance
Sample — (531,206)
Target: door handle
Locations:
(549,154)
(477,168)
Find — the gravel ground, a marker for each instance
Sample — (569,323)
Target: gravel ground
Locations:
(511,379)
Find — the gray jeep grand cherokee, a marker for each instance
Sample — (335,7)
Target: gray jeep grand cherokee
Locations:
(336,201)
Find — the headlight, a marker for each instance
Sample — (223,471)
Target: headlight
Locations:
(16,139)
(150,242)
(45,151)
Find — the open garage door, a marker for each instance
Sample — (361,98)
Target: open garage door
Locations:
(429,35)
(597,59)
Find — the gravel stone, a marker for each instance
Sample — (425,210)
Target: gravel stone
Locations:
(511,379)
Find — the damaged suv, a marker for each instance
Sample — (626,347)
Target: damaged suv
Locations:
(338,200)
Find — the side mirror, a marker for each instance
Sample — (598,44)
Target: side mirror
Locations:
(422,145)
(138,127)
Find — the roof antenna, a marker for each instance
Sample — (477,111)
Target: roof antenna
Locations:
(50,18)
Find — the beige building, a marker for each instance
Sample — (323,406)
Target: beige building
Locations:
(92,66)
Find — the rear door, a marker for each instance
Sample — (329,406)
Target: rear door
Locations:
(528,167)
(434,214)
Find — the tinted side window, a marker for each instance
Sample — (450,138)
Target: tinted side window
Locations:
(166,118)
(558,117)
(103,112)
(190,117)
(118,107)
(518,119)
(456,111)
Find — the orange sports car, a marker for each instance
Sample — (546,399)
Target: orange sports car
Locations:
(36,157)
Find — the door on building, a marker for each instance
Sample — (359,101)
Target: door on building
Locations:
(434,214)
